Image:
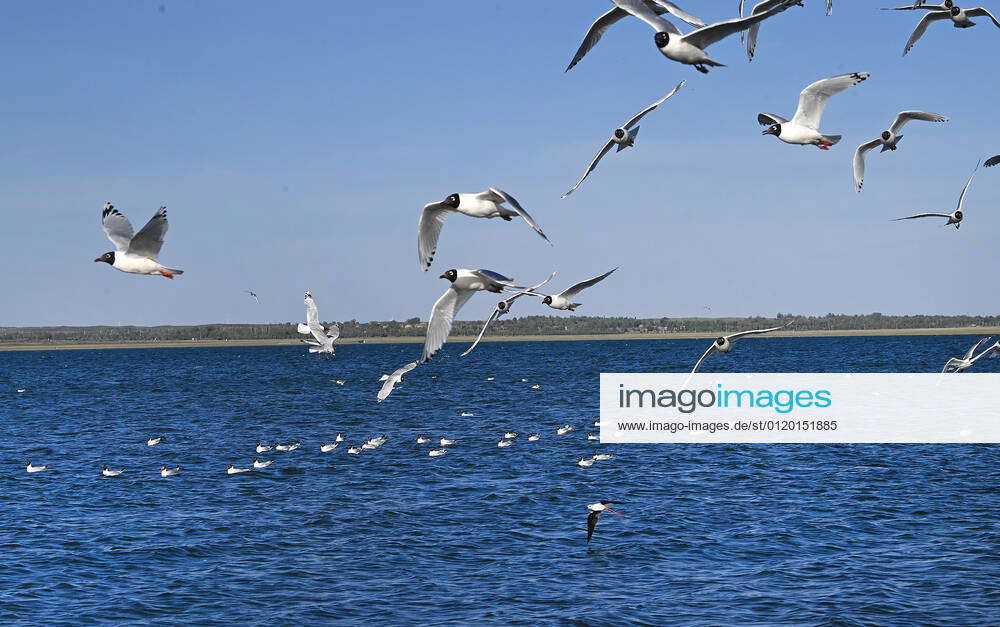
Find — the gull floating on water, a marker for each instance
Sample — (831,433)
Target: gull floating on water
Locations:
(502,443)
(437,452)
(593,437)
(888,140)
(423,439)
(263,448)
(595,513)
(600,457)
(956,216)
(724,344)
(564,429)
(326,448)
(32,468)
(493,203)
(138,253)
(233,470)
(803,128)
(259,464)
(154,441)
(446,442)
(622,10)
(107,472)
(169,472)
(510,435)
(534,437)
(623,136)
(353,450)
(585,462)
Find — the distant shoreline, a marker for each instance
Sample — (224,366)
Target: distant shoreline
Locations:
(510,338)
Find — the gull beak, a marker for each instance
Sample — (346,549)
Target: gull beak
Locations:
(98,259)
(443,276)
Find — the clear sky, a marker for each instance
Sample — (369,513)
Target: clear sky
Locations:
(294,145)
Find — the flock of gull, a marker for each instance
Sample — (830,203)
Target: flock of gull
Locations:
(138,253)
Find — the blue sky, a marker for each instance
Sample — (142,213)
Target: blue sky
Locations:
(294,146)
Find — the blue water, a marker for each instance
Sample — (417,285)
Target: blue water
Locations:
(715,535)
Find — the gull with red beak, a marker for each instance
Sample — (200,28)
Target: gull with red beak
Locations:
(135,254)
(595,513)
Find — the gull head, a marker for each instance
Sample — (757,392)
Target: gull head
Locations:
(108,258)
(620,134)
(948,3)
(886,135)
(451,275)
(774,129)
(547,300)
(451,201)
(662,39)
(958,215)
(955,11)
(502,306)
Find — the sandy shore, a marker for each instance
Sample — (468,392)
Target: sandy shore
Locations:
(512,338)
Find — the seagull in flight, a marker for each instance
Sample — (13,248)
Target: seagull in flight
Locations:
(624,8)
(955,217)
(751,33)
(596,509)
(392,380)
(323,338)
(503,308)
(624,136)
(724,344)
(493,203)
(690,49)
(888,140)
(138,253)
(803,128)
(962,364)
(251,293)
(564,299)
(959,19)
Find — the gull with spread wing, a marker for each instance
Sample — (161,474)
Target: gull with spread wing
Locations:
(956,216)
(493,203)
(624,136)
(888,140)
(392,380)
(502,308)
(621,10)
(751,33)
(138,253)
(962,364)
(725,343)
(959,19)
(803,128)
(564,300)
(323,338)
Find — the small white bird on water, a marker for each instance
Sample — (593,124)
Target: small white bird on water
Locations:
(888,140)
(326,448)
(596,509)
(585,462)
(606,21)
(423,439)
(564,300)
(259,464)
(354,450)
(107,472)
(959,19)
(593,437)
(803,128)
(534,437)
(962,364)
(263,448)
(493,203)
(233,470)
(563,430)
(724,344)
(138,253)
(956,216)
(446,442)
(154,441)
(502,443)
(510,435)
(169,472)
(323,337)
(437,452)
(623,136)
(32,468)
(600,457)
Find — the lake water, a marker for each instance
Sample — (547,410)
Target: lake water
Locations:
(836,535)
